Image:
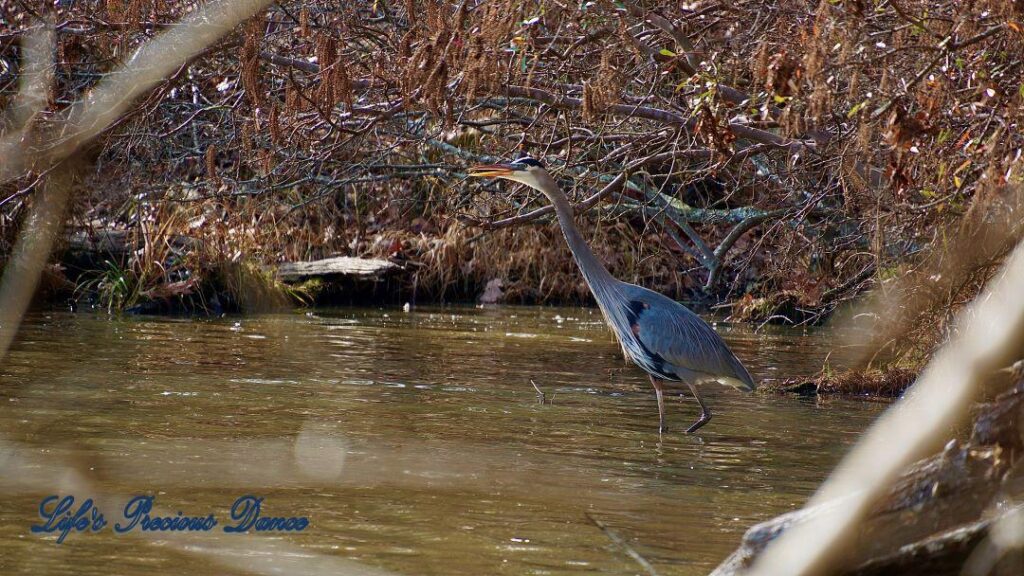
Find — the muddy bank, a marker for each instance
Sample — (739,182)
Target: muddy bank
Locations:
(889,382)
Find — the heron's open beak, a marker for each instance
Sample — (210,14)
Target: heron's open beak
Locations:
(492,170)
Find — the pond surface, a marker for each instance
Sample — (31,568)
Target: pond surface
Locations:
(413,442)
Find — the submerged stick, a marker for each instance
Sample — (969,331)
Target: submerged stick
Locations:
(540,393)
(624,545)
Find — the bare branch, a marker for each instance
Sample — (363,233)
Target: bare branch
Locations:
(989,336)
(104,104)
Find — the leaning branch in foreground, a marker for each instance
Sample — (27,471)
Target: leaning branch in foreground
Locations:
(941,514)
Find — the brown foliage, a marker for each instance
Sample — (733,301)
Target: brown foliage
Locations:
(360,116)
(888,383)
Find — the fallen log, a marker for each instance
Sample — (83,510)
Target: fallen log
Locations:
(938,512)
(339,266)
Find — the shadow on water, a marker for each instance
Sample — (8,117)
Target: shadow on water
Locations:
(413,441)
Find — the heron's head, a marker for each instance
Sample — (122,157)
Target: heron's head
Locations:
(525,170)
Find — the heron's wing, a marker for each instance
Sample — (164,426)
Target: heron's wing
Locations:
(676,337)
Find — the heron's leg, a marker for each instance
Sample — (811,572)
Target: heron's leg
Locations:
(661,405)
(705,412)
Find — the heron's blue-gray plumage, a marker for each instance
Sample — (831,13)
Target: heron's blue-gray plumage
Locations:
(657,333)
(670,342)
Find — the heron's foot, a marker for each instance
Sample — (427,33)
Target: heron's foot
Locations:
(705,417)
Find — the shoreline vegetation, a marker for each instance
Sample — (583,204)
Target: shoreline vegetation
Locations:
(712,160)
(710,157)
(887,383)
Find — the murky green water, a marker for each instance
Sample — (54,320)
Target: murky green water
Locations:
(413,442)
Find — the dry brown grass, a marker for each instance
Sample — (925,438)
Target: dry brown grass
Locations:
(890,382)
(534,262)
(315,130)
(915,305)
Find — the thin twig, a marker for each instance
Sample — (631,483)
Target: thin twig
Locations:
(946,47)
(624,545)
(540,393)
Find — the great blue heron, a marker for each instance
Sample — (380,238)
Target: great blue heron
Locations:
(657,333)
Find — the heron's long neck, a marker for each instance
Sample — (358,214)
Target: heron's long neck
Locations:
(597,276)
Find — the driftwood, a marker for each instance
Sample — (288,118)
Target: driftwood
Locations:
(340,266)
(102,242)
(938,512)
